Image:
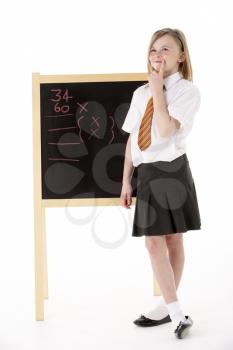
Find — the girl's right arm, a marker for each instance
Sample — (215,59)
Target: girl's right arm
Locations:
(126,192)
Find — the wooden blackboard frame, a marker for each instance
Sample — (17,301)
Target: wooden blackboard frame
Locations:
(41,275)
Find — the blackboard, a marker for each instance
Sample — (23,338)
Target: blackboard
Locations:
(82,143)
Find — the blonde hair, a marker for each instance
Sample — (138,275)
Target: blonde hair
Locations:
(185,67)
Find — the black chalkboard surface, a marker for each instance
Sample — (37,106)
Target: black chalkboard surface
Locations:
(82,144)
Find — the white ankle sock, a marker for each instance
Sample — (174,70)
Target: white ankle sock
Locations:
(176,313)
(160,311)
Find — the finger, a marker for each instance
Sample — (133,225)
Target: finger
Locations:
(159,64)
(153,68)
(125,205)
(162,65)
(124,200)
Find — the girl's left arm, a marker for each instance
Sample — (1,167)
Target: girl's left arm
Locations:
(166,124)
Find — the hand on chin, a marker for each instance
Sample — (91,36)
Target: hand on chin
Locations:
(156,67)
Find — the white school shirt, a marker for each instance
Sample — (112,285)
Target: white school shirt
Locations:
(183,102)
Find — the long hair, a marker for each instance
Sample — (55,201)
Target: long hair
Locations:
(185,67)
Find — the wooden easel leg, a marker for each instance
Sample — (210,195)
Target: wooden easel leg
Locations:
(38,210)
(39,285)
(156,287)
(45,264)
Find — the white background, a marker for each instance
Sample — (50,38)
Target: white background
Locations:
(95,293)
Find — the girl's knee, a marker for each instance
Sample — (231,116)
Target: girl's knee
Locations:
(174,240)
(154,243)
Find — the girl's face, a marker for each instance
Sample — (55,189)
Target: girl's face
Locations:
(166,48)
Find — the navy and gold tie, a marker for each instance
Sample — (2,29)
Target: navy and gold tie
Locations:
(144,135)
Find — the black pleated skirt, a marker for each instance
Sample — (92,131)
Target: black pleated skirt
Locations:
(166,199)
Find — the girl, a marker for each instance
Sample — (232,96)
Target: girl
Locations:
(160,117)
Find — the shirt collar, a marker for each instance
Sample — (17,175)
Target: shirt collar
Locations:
(172,79)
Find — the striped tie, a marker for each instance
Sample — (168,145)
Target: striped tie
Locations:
(144,135)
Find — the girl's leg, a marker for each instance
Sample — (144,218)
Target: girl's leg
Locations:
(162,268)
(176,255)
(158,252)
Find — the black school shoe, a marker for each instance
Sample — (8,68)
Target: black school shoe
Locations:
(143,321)
(183,328)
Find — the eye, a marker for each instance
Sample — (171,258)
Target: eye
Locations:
(164,49)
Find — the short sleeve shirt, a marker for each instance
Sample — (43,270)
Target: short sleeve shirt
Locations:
(183,102)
